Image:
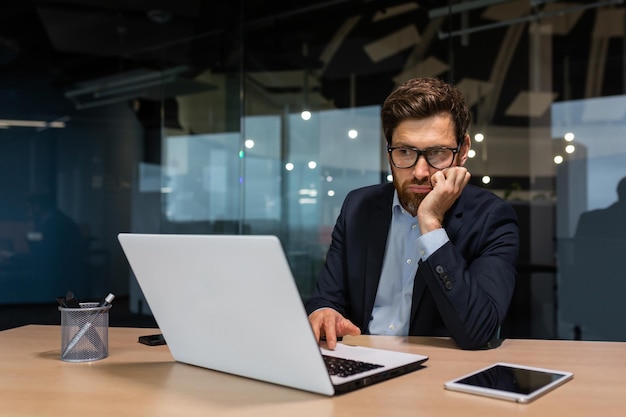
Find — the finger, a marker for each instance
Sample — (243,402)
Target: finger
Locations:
(436,177)
(316,332)
(462,178)
(330,332)
(316,324)
(451,173)
(457,177)
(355,330)
(467,177)
(348,328)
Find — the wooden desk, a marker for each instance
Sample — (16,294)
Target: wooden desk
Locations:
(140,380)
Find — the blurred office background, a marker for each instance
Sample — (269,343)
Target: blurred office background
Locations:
(257,117)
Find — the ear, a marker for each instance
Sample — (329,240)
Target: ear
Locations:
(464,150)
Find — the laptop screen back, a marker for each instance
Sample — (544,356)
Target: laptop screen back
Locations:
(229,303)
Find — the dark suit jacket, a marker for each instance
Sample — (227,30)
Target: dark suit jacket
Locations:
(463,290)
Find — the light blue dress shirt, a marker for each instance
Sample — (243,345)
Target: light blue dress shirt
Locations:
(405,247)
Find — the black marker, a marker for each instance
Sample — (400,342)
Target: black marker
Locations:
(71,301)
(62,302)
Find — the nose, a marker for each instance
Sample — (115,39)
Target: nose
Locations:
(421,169)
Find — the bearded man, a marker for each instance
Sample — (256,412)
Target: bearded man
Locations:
(428,255)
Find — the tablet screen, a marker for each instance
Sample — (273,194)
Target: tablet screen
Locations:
(508,378)
(510,382)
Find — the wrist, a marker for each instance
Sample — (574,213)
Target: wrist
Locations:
(429,224)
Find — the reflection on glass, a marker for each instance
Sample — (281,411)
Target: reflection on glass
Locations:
(591,218)
(288,183)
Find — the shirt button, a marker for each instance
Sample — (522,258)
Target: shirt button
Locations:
(422,252)
(413,226)
(391,327)
(409,261)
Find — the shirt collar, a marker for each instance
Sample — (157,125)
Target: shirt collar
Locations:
(396,207)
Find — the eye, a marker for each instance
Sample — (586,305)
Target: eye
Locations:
(438,152)
(404,151)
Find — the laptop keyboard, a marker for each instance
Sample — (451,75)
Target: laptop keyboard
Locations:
(346,367)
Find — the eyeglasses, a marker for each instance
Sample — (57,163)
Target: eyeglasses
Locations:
(438,158)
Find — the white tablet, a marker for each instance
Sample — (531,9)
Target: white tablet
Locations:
(510,382)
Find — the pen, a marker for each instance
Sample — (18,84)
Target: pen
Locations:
(105,303)
(107,300)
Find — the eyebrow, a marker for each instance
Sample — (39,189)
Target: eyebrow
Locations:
(424,149)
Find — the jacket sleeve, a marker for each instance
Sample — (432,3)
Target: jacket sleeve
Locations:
(472,278)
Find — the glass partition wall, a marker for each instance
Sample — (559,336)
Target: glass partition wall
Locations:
(250,118)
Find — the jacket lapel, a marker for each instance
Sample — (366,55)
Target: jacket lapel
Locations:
(378,226)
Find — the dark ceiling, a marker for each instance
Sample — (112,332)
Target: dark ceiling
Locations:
(73,41)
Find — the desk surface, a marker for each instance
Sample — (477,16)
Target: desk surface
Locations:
(139,380)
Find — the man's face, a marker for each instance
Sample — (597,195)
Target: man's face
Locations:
(413,184)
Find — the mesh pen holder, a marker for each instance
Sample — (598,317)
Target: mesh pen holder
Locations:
(84,333)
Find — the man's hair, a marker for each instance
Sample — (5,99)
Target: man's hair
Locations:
(420,98)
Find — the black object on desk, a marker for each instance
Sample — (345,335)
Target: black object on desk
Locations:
(152,340)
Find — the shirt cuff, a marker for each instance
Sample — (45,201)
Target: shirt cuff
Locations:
(428,243)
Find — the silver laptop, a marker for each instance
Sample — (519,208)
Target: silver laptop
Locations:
(230,303)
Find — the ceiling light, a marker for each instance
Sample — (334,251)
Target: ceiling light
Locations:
(5,123)
(524,19)
(142,83)
(159,16)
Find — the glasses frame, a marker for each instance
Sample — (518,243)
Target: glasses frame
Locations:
(421,152)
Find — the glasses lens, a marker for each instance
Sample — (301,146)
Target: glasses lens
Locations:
(440,158)
(437,158)
(404,157)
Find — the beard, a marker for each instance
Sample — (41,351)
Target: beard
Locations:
(410,200)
